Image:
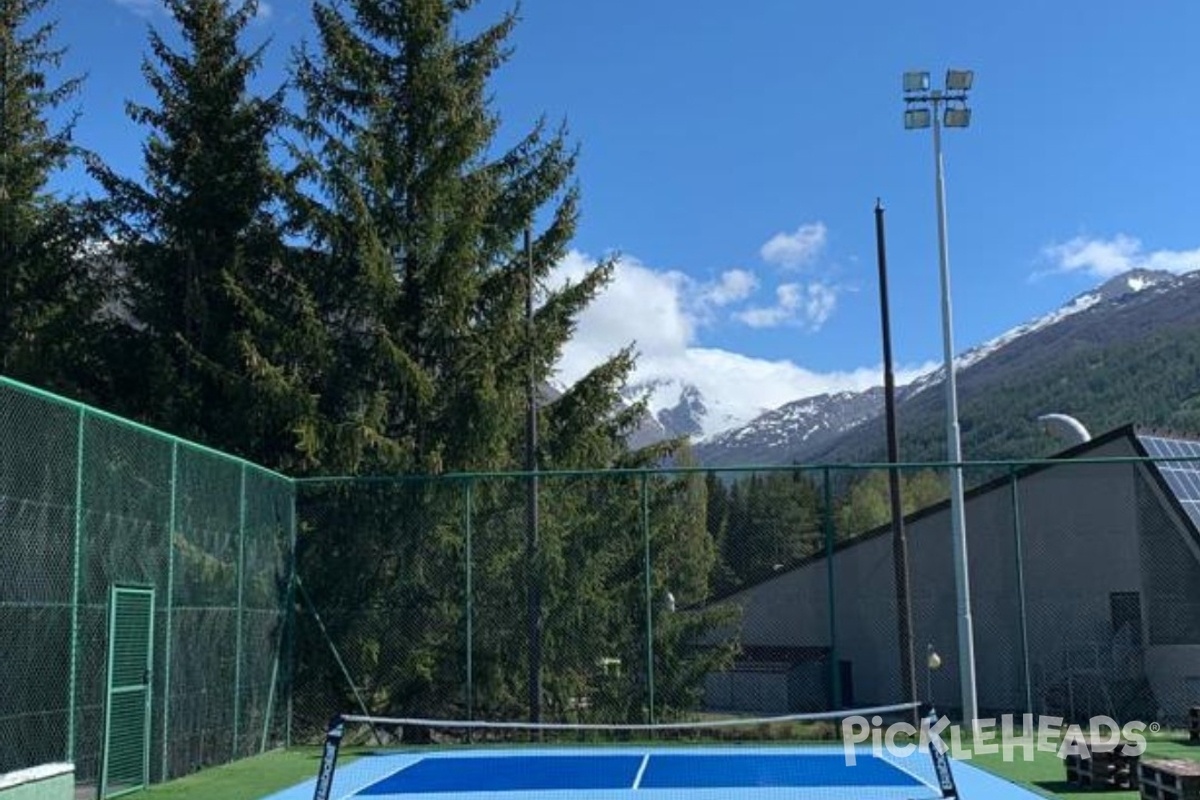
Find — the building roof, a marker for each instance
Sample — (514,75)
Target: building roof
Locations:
(1177,473)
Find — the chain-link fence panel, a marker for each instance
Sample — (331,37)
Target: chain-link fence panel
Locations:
(1161,633)
(37,540)
(91,505)
(768,587)
(264,576)
(126,504)
(611,596)
(380,624)
(690,628)
(1079,548)
(568,598)
(205,637)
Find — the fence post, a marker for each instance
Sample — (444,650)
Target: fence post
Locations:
(645,492)
(470,600)
(291,621)
(77,568)
(1023,618)
(241,579)
(284,633)
(166,699)
(835,677)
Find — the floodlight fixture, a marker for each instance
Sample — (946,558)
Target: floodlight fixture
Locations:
(915,118)
(958,117)
(916,82)
(959,80)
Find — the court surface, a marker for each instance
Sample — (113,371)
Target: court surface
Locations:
(707,773)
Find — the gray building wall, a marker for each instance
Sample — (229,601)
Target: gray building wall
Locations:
(1078,546)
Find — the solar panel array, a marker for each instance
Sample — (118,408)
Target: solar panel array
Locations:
(1181,476)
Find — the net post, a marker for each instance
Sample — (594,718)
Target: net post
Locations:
(329,754)
(939,754)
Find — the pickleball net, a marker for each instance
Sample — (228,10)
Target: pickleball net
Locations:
(875,751)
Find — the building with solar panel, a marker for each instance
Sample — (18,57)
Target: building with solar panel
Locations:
(1085,589)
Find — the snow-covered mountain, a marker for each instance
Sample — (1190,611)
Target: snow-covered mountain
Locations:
(814,426)
(1127,283)
(810,422)
(678,408)
(724,434)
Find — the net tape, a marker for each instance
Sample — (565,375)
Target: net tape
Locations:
(820,716)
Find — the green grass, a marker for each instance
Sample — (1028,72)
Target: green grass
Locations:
(1047,774)
(249,779)
(255,778)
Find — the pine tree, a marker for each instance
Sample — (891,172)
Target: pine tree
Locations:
(774,520)
(222,335)
(717,520)
(419,228)
(416,224)
(50,301)
(867,501)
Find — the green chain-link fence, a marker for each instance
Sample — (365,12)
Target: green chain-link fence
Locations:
(662,595)
(89,502)
(616,596)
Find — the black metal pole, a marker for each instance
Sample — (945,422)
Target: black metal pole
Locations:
(531,507)
(908,672)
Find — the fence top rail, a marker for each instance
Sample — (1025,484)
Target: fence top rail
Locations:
(1013,465)
(87,410)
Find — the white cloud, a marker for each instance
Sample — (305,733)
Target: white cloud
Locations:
(652,310)
(794,250)
(674,304)
(805,305)
(1104,258)
(640,304)
(734,285)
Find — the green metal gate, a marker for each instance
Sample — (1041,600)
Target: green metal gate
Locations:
(127,699)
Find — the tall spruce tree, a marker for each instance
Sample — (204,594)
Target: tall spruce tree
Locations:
(414,218)
(222,336)
(50,301)
(419,229)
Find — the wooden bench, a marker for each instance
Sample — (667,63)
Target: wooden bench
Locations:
(1168,779)
(1109,765)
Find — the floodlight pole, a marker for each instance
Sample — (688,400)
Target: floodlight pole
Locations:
(958,522)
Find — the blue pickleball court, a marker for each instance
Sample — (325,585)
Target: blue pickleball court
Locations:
(706,773)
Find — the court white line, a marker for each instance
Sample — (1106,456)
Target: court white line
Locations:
(637,782)
(378,778)
(901,768)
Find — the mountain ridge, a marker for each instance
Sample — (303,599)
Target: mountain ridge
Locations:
(1112,314)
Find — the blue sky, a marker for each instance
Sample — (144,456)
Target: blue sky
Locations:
(733,153)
